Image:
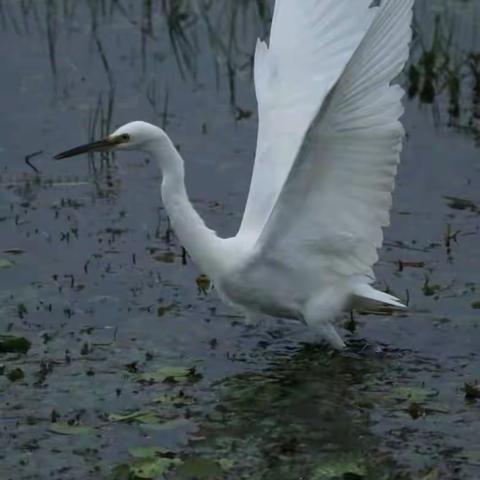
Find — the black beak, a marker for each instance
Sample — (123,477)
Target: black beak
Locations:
(100,146)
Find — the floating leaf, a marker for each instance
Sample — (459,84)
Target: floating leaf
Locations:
(167,257)
(15,374)
(430,289)
(153,467)
(163,374)
(476,305)
(344,465)
(148,452)
(179,400)
(67,429)
(461,204)
(12,344)
(142,416)
(433,474)
(5,263)
(199,469)
(121,472)
(412,394)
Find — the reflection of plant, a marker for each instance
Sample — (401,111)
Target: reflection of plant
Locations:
(442,73)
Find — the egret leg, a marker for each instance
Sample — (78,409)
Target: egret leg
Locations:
(321,310)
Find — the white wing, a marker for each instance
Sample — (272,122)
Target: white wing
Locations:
(311,42)
(330,213)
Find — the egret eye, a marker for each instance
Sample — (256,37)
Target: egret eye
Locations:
(125,137)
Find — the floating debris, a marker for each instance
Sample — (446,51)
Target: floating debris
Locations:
(462,204)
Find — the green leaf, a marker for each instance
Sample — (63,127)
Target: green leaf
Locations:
(180,400)
(12,344)
(5,263)
(349,464)
(199,469)
(174,373)
(142,416)
(412,394)
(476,305)
(434,474)
(66,429)
(153,467)
(121,472)
(148,452)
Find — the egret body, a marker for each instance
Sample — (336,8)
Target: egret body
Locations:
(328,147)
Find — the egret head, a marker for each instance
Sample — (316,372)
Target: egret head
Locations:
(132,136)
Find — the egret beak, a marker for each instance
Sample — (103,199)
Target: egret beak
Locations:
(100,146)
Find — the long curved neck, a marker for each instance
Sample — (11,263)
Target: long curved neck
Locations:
(201,243)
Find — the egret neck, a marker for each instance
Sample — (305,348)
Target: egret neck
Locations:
(202,244)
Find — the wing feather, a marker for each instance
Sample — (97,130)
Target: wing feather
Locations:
(311,42)
(338,193)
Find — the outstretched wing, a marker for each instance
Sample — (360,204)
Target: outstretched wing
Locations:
(337,196)
(311,42)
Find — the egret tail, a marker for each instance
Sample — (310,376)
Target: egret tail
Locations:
(366,294)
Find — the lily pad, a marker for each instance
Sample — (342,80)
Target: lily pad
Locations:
(12,344)
(67,429)
(148,452)
(412,394)
(153,467)
(351,465)
(199,469)
(5,263)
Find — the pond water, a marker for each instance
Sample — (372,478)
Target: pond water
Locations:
(135,369)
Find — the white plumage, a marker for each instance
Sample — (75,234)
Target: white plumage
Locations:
(328,147)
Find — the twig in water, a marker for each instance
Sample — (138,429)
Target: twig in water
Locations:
(28,157)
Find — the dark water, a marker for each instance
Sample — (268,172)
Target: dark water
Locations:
(92,277)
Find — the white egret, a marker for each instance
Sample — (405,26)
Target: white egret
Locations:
(328,147)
